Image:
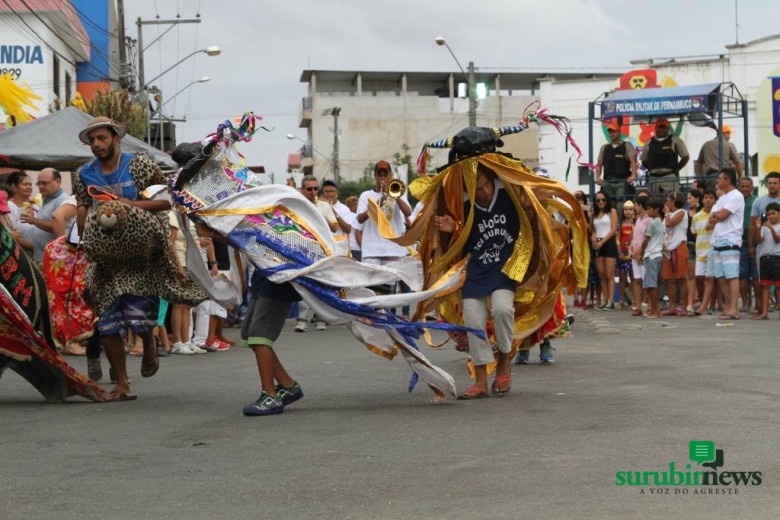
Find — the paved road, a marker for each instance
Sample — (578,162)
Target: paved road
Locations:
(625,394)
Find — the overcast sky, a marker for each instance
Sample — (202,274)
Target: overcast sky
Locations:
(267,44)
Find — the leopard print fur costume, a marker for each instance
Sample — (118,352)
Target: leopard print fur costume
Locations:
(130,250)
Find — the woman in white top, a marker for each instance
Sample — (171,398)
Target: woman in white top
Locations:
(22,187)
(604,231)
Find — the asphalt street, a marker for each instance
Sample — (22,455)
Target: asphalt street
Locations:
(625,394)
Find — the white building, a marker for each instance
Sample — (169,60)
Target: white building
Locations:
(381,112)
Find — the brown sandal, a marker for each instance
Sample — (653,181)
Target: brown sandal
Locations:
(473,392)
(150,367)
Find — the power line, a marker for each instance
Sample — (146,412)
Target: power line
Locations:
(95,25)
(113,68)
(56,33)
(40,38)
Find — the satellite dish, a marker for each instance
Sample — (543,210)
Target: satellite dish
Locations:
(702,119)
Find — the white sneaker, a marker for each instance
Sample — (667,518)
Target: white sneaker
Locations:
(196,349)
(321,325)
(302,326)
(181,348)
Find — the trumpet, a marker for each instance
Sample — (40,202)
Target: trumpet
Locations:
(395,188)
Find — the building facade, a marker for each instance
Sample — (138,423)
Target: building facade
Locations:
(381,114)
(746,65)
(41,45)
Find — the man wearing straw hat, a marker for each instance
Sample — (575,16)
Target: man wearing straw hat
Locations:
(125,294)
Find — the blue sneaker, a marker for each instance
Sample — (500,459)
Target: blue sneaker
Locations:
(290,394)
(546,353)
(266,404)
(522,357)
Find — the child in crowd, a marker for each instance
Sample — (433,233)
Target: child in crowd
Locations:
(651,254)
(624,267)
(637,239)
(675,251)
(694,206)
(768,255)
(705,283)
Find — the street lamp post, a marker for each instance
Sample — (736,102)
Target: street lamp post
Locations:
(160,105)
(204,79)
(472,94)
(210,51)
(141,48)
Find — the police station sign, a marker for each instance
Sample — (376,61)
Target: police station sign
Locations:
(656,106)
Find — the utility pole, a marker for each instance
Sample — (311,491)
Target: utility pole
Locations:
(140,54)
(140,23)
(123,68)
(472,96)
(335,111)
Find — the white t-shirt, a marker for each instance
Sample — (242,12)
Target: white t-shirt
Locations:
(730,229)
(342,239)
(768,245)
(16,222)
(373,244)
(350,218)
(676,235)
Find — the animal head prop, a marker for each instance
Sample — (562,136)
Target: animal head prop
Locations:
(112,215)
(474,141)
(214,169)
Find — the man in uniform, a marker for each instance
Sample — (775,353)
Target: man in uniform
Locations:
(664,156)
(617,161)
(708,164)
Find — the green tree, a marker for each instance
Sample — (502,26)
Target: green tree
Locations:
(404,157)
(118,105)
(349,188)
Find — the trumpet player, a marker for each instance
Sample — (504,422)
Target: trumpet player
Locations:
(344,217)
(377,250)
